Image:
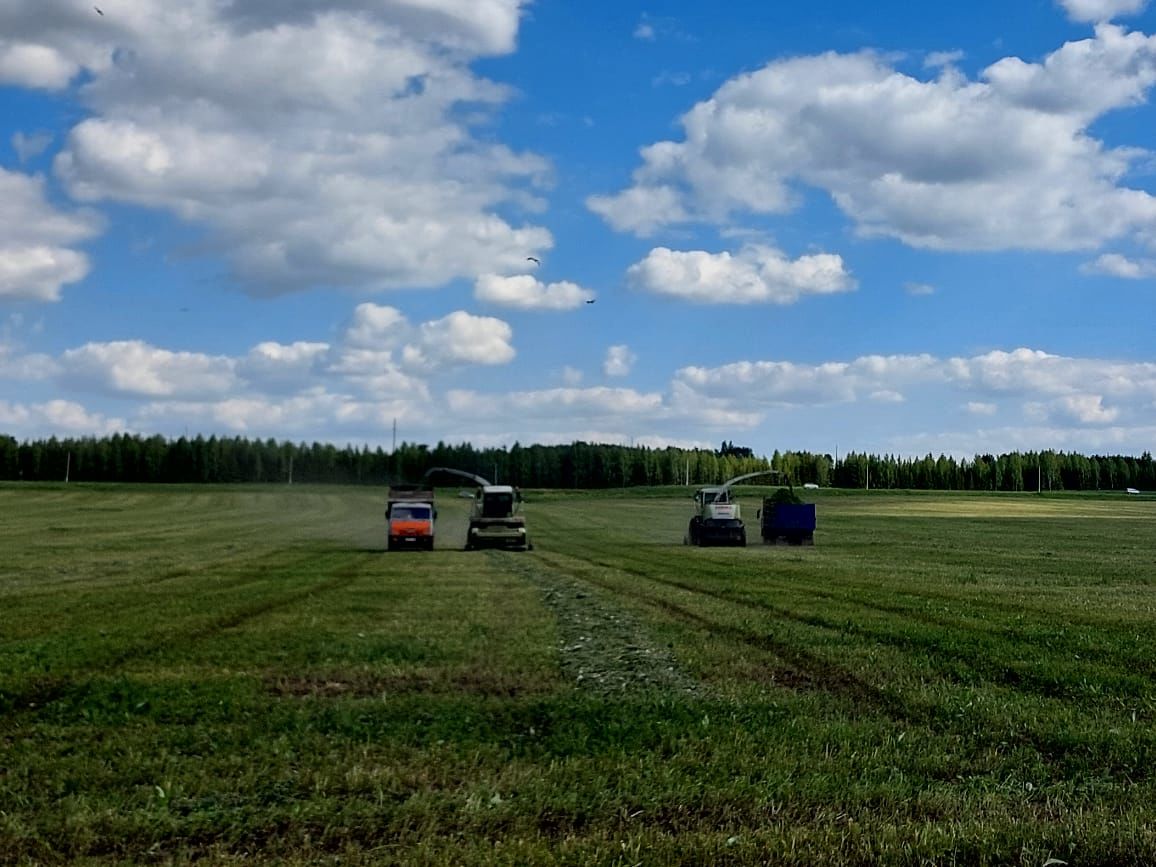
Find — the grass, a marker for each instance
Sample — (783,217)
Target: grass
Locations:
(241,675)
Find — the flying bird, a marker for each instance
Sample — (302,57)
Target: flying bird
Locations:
(99,11)
(532,259)
(591,300)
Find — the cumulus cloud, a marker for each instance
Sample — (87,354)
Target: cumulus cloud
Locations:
(54,418)
(135,368)
(300,414)
(317,144)
(1006,161)
(641,209)
(619,360)
(36,249)
(756,274)
(1080,390)
(1101,10)
(29,64)
(461,338)
(279,366)
(525,292)
(1087,409)
(1115,265)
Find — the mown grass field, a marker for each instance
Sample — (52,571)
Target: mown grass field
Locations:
(241,675)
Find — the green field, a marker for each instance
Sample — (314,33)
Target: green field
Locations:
(241,675)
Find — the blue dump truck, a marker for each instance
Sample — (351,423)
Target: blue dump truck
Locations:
(793,523)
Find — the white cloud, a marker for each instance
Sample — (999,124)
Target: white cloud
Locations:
(280,366)
(919,289)
(1115,265)
(572,376)
(948,163)
(936,59)
(978,407)
(525,292)
(460,338)
(377,326)
(1101,10)
(644,31)
(135,368)
(318,146)
(28,146)
(1081,390)
(1087,409)
(756,274)
(640,209)
(55,418)
(29,64)
(36,255)
(619,360)
(598,402)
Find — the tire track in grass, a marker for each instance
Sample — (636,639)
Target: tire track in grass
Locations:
(602,648)
(44,690)
(803,669)
(1021,674)
(813,672)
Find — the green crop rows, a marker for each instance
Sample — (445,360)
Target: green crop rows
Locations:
(241,675)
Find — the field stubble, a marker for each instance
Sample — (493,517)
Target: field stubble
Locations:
(242,675)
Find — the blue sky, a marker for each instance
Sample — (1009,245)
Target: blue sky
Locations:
(847,226)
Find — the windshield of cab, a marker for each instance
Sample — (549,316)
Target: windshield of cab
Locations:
(410,513)
(497,505)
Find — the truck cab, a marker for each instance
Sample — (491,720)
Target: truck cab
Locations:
(409,518)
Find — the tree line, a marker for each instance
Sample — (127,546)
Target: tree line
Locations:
(133,458)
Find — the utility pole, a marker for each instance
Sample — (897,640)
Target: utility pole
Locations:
(394,449)
(290,467)
(67,467)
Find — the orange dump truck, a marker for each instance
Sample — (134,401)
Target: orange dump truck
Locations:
(409,517)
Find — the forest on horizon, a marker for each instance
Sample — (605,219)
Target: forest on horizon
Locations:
(133,458)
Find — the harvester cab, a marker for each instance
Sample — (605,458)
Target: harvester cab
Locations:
(496,519)
(718,518)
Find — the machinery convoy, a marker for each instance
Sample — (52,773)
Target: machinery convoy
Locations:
(718,516)
(496,519)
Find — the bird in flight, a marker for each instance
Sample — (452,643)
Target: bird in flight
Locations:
(99,11)
(591,300)
(532,259)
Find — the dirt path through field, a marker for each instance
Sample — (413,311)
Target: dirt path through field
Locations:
(603,648)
